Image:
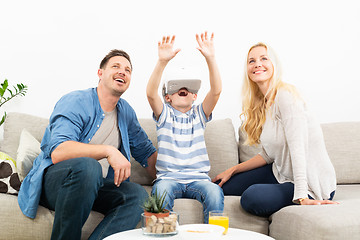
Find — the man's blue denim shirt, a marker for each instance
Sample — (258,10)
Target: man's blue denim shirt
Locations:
(76,117)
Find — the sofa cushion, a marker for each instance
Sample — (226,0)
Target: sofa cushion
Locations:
(340,221)
(191,212)
(9,179)
(245,151)
(220,141)
(219,138)
(29,149)
(22,227)
(342,143)
(13,126)
(221,145)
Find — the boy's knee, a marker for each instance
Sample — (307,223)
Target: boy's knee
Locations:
(161,186)
(213,191)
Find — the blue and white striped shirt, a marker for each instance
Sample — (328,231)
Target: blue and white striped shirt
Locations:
(182,154)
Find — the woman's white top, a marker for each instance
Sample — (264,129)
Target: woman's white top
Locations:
(293,141)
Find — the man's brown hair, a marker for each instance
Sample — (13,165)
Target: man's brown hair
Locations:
(114,53)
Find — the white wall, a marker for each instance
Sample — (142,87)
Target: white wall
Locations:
(55,47)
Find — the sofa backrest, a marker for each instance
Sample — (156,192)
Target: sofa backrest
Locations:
(219,137)
(220,142)
(14,124)
(342,142)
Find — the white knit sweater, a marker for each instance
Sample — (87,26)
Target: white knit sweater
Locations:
(293,140)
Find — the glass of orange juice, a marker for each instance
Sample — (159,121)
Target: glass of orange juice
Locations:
(219,218)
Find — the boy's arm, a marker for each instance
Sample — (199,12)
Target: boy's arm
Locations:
(206,47)
(166,53)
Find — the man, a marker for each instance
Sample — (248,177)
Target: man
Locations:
(86,128)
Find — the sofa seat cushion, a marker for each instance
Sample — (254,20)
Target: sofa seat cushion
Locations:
(340,221)
(14,223)
(191,212)
(239,218)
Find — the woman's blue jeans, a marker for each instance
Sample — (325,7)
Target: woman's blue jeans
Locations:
(261,194)
(75,187)
(207,193)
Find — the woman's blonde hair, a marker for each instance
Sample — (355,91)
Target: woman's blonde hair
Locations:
(254,103)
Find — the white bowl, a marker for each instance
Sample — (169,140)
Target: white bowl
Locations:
(200,231)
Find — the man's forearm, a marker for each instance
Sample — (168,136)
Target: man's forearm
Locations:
(71,149)
(151,165)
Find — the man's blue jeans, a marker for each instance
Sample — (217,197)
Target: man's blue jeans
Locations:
(209,194)
(75,187)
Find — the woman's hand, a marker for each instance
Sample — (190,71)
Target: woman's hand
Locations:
(206,45)
(165,49)
(224,176)
(308,201)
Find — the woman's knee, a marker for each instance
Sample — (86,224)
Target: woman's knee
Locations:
(252,199)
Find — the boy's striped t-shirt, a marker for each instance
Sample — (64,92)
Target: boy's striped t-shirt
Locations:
(182,154)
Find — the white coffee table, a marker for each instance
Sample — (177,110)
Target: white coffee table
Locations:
(233,233)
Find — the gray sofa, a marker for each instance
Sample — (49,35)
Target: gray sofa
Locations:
(294,222)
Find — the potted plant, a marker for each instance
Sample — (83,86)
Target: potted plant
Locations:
(154,205)
(156,219)
(20,90)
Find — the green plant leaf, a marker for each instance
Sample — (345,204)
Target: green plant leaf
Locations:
(3,119)
(3,88)
(155,203)
(20,90)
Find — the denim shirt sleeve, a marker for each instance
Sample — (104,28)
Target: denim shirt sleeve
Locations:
(67,122)
(140,145)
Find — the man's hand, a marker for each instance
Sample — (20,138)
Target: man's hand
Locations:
(121,166)
(165,49)
(206,45)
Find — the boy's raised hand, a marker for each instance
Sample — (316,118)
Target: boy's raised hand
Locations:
(165,48)
(206,44)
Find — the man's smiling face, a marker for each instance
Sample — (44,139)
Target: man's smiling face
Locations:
(116,75)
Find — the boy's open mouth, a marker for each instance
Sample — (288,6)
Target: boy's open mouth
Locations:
(183,93)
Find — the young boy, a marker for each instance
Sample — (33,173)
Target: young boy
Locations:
(183,164)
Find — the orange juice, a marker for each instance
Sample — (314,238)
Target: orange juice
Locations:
(222,221)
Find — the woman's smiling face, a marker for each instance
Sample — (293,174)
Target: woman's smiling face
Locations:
(259,66)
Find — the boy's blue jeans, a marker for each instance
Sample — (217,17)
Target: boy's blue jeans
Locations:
(207,193)
(75,187)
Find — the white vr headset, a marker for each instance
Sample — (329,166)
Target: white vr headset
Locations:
(173,86)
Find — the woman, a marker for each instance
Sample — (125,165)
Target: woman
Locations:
(293,166)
